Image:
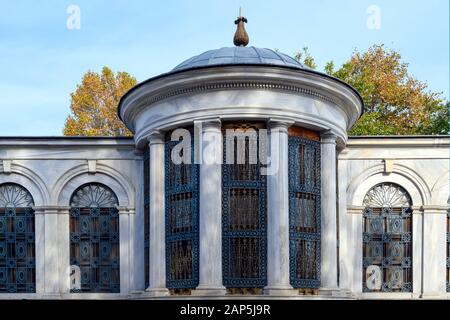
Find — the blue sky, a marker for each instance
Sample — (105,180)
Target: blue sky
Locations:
(41,60)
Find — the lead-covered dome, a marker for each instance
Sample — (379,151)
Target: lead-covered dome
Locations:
(239,56)
(244,83)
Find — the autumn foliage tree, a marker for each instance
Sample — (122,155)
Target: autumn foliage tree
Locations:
(395,102)
(94,104)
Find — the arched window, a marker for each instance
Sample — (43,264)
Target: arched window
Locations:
(244,213)
(182,214)
(387,239)
(304,208)
(17,240)
(94,238)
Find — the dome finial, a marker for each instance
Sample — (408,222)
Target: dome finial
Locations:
(241,38)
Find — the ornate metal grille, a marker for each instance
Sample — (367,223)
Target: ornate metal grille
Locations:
(94,238)
(304,212)
(448,251)
(182,214)
(147,216)
(244,228)
(17,240)
(387,239)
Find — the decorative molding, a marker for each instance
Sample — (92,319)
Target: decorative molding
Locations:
(146,101)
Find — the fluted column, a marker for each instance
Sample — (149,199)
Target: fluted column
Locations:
(210,275)
(278,212)
(328,224)
(157,250)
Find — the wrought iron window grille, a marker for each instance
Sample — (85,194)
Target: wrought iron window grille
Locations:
(17,240)
(244,221)
(304,212)
(182,222)
(387,239)
(94,238)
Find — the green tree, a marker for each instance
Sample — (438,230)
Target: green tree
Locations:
(395,102)
(94,104)
(303,56)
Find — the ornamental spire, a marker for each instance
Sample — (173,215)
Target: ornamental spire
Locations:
(241,38)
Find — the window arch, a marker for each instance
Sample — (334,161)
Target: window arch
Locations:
(387,239)
(17,240)
(94,238)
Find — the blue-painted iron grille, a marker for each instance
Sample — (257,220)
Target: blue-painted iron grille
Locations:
(304,212)
(182,219)
(17,240)
(387,240)
(244,226)
(146,215)
(448,251)
(17,250)
(94,239)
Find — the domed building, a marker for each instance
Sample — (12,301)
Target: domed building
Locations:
(240,180)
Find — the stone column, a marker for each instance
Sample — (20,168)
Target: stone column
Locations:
(278,212)
(210,281)
(47,252)
(64,249)
(434,252)
(157,251)
(51,252)
(328,221)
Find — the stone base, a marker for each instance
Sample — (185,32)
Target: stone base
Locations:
(156,292)
(209,291)
(334,293)
(287,291)
(51,296)
(434,295)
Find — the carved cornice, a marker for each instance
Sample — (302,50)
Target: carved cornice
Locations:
(146,101)
(170,87)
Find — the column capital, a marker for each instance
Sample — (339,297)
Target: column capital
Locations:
(279,123)
(51,209)
(328,138)
(156,137)
(126,210)
(215,122)
(427,209)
